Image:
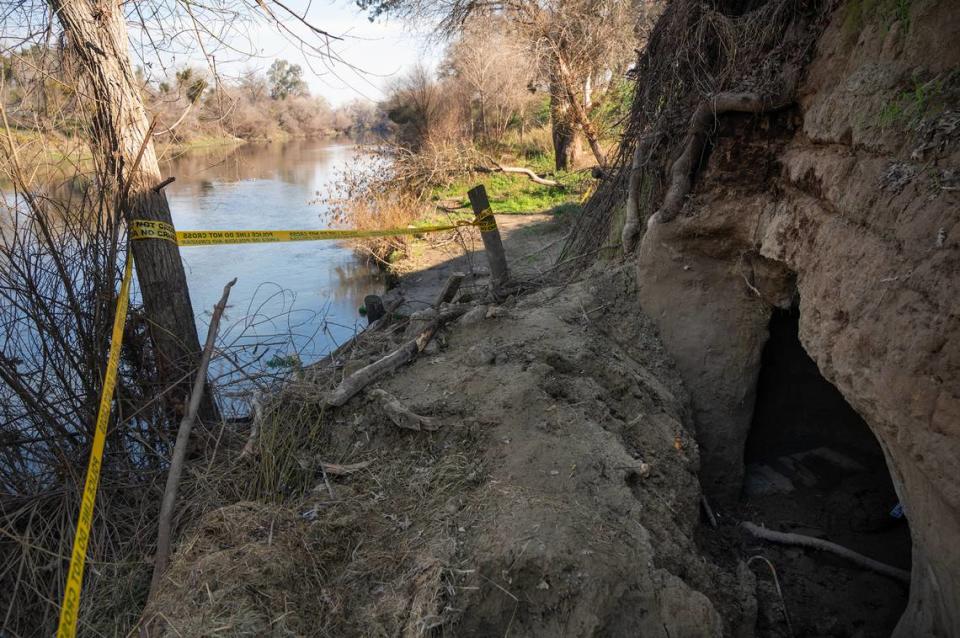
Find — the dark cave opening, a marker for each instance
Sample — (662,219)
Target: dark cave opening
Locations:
(814,467)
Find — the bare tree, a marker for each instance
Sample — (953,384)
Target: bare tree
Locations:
(494,64)
(570,40)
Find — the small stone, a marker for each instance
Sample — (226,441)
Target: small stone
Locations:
(543,585)
(474,316)
(479,356)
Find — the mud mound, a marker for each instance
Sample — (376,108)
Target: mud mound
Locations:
(557,497)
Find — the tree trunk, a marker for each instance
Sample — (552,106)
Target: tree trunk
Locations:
(578,112)
(96,31)
(566,144)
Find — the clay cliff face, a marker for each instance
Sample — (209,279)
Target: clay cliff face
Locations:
(848,200)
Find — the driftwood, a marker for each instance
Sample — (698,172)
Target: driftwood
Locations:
(406,353)
(379,324)
(786,538)
(180,447)
(701,123)
(518,170)
(401,415)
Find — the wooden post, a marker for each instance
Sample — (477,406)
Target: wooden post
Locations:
(374,306)
(492,243)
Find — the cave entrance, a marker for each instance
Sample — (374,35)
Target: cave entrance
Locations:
(814,467)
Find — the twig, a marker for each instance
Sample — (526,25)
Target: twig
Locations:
(708,510)
(776,583)
(180,447)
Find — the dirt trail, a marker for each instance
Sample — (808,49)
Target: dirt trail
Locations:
(532,243)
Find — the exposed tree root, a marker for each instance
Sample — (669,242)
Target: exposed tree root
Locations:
(786,538)
(681,173)
(631,225)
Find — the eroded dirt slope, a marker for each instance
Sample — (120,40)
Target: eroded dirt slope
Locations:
(556,496)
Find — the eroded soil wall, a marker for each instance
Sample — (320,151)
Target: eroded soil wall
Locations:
(848,199)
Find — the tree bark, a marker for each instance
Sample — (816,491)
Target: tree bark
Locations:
(96,31)
(577,109)
(566,145)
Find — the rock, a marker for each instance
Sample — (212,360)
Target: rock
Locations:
(473,316)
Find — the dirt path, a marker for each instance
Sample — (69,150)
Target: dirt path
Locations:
(532,243)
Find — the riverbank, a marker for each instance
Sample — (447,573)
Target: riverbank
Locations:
(532,243)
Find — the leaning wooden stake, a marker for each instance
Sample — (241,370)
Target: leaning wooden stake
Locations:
(491,237)
(449,290)
(180,447)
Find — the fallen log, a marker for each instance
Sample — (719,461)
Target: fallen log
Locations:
(406,353)
(787,538)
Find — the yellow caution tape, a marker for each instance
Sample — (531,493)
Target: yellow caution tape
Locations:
(146,229)
(69,612)
(143,229)
(486,221)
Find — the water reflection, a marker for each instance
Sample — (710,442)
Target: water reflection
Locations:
(297,297)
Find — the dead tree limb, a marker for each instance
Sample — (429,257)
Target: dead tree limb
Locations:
(180,447)
(701,124)
(518,170)
(406,353)
(786,538)
(401,415)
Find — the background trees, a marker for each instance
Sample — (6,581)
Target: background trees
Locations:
(578,50)
(286,80)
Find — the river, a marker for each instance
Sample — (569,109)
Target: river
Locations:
(300,299)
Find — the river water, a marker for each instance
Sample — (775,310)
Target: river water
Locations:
(293,299)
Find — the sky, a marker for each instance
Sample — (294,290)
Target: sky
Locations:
(372,52)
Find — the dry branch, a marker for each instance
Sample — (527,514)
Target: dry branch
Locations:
(519,170)
(180,447)
(449,290)
(337,469)
(406,353)
(786,538)
(401,415)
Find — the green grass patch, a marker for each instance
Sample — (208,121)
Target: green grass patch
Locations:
(516,194)
(907,109)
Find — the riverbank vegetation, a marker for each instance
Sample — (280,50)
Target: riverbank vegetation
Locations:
(530,100)
(192,106)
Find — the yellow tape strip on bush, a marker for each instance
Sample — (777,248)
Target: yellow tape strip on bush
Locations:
(71,595)
(143,229)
